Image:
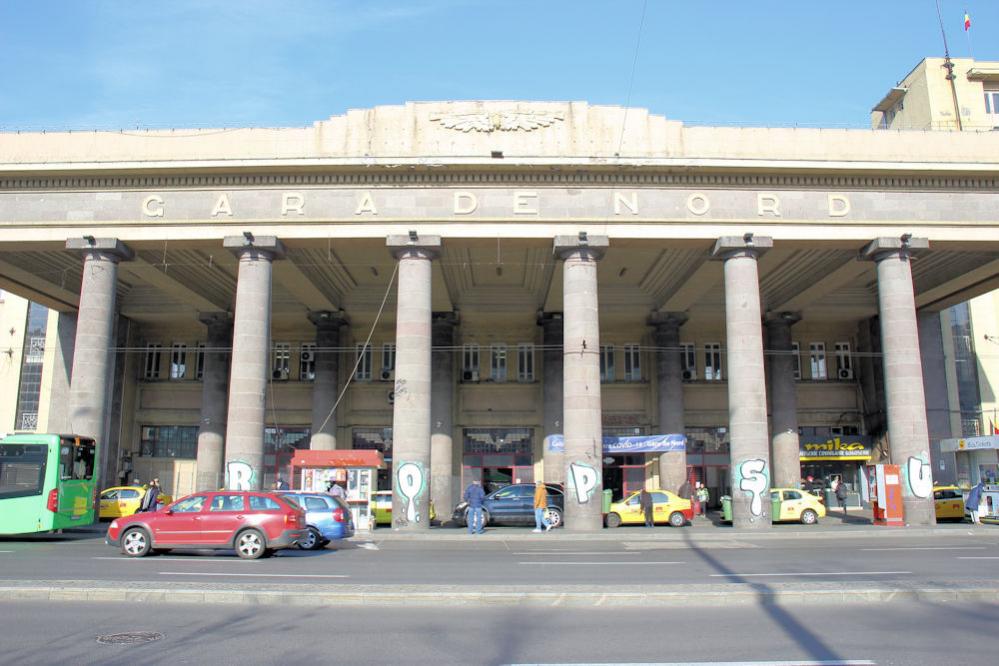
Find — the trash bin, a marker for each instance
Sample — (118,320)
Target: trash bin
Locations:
(726,502)
(606,500)
(775,507)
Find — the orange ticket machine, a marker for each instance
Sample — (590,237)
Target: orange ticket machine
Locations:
(886,494)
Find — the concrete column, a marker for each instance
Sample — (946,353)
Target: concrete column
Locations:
(411,408)
(551,388)
(582,419)
(214,398)
(326,382)
(251,347)
(908,436)
(747,398)
(89,397)
(444,480)
(784,402)
(669,378)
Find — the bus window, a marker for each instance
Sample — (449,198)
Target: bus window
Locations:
(22,470)
(76,460)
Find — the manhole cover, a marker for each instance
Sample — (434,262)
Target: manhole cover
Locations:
(129,638)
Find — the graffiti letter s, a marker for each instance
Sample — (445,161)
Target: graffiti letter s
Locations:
(410,476)
(584,479)
(920,477)
(754,481)
(240,475)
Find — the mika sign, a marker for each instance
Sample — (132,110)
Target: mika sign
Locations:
(848,447)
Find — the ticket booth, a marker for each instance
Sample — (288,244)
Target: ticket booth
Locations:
(886,494)
(355,471)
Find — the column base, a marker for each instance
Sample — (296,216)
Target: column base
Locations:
(919,512)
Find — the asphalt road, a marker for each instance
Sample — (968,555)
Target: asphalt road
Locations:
(517,557)
(909,634)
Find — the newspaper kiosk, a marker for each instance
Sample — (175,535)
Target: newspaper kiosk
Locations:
(355,471)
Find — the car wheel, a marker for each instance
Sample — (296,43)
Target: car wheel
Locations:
(136,542)
(613,520)
(809,517)
(676,519)
(312,540)
(553,516)
(250,545)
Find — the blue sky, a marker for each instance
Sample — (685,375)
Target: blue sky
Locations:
(206,63)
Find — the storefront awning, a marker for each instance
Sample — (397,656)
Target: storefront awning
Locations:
(640,444)
(970,443)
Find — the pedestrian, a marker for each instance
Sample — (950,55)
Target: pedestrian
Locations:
(474,496)
(973,501)
(151,497)
(684,491)
(695,498)
(841,495)
(540,506)
(281,484)
(334,489)
(645,502)
(704,496)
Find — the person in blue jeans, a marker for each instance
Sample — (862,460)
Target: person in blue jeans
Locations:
(474,496)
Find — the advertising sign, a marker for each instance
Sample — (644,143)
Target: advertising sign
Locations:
(841,447)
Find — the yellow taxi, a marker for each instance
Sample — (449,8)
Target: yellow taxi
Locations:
(122,501)
(381,502)
(793,504)
(949,501)
(666,508)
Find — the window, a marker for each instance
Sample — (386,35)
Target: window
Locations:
(199,362)
(632,363)
(128,493)
(712,362)
(152,362)
(281,363)
(844,362)
(606,363)
(316,504)
(388,358)
(470,363)
(169,441)
(525,362)
(817,355)
(688,357)
(792,495)
(76,459)
(261,503)
(189,505)
(178,360)
(992,104)
(497,371)
(227,503)
(307,362)
(363,372)
(796,360)
(22,470)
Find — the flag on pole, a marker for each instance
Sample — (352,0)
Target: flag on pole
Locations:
(967,22)
(993,428)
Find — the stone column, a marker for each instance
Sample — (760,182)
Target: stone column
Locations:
(551,387)
(411,407)
(669,378)
(747,393)
(214,395)
(251,348)
(582,421)
(443,480)
(908,437)
(783,402)
(325,382)
(89,395)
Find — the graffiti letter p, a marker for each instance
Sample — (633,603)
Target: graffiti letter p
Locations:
(584,479)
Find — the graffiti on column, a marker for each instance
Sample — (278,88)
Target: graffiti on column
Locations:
(239,475)
(585,479)
(918,476)
(753,479)
(410,485)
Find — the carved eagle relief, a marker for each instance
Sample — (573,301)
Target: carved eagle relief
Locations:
(503,121)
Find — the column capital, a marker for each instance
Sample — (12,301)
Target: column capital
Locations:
(661,319)
(328,318)
(902,247)
(747,245)
(413,246)
(781,319)
(110,248)
(592,247)
(266,247)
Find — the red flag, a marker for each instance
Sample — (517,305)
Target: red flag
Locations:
(967,22)
(993,428)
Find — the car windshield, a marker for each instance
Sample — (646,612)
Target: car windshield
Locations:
(292,500)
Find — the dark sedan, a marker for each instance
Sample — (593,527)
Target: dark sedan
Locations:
(514,505)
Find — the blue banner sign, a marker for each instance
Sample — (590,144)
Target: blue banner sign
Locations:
(640,444)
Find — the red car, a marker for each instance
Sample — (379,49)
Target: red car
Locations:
(253,524)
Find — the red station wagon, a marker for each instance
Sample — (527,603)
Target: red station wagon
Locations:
(253,524)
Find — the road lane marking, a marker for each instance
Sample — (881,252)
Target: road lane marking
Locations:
(982,557)
(928,548)
(837,662)
(6,551)
(813,573)
(255,575)
(613,563)
(570,552)
(196,558)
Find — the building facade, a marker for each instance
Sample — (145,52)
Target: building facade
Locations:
(455,283)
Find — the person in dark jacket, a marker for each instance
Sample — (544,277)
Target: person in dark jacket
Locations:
(973,501)
(841,495)
(474,496)
(685,490)
(151,497)
(645,502)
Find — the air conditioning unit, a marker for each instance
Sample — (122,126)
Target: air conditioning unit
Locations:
(307,356)
(470,376)
(688,375)
(388,374)
(845,373)
(281,374)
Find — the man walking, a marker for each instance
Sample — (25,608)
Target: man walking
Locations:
(974,500)
(151,497)
(645,503)
(474,496)
(540,506)
(841,495)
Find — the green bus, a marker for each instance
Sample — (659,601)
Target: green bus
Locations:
(47,482)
